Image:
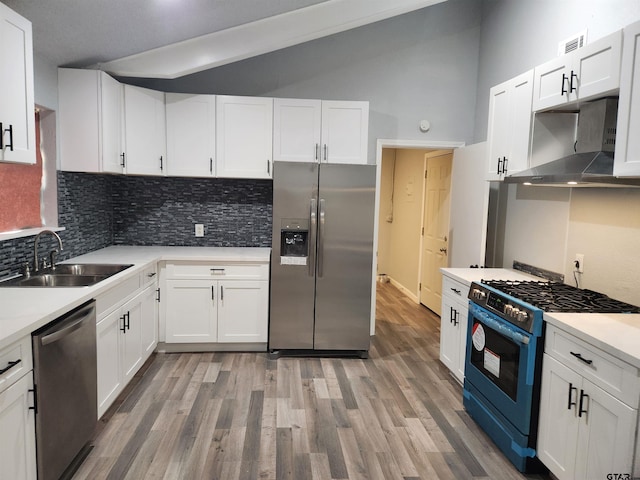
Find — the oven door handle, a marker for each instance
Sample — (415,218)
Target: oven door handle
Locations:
(499,327)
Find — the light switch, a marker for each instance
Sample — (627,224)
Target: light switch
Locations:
(199,230)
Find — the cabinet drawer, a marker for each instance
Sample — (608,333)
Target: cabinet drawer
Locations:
(614,376)
(149,274)
(116,295)
(20,352)
(244,271)
(454,288)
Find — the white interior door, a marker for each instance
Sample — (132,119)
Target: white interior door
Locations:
(435,239)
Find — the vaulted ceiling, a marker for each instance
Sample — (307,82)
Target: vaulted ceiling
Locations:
(172,38)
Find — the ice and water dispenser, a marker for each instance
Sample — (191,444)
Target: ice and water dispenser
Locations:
(294,241)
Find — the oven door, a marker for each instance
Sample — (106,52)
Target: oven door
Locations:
(500,365)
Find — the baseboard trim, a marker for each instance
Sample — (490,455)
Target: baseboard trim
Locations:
(404,290)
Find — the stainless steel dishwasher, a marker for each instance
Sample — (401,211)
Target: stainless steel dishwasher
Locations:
(64,354)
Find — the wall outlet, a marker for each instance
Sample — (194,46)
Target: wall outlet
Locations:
(578,265)
(199,230)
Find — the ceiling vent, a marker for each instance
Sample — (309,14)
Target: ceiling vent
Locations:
(572,43)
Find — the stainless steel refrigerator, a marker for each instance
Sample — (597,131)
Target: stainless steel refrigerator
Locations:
(322,257)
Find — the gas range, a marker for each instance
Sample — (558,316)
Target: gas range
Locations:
(518,301)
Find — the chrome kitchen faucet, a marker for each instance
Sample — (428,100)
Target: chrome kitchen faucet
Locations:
(52,254)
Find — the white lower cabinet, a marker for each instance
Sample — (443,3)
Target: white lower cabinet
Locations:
(17,450)
(453,326)
(213,303)
(17,419)
(584,432)
(126,337)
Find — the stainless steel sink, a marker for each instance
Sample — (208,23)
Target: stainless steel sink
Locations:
(48,280)
(86,269)
(67,275)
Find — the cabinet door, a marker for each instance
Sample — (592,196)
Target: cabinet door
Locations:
(558,422)
(518,132)
(598,67)
(17,113)
(296,130)
(131,337)
(109,361)
(244,136)
(145,137)
(190,135)
(449,335)
(552,83)
(242,311)
(462,312)
(148,321)
(112,118)
(345,131)
(17,431)
(498,130)
(627,154)
(606,435)
(190,311)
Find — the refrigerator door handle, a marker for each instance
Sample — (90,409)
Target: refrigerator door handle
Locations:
(321,238)
(313,223)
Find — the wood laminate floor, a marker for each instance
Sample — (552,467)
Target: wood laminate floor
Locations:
(227,416)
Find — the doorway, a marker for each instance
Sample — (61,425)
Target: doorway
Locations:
(401,214)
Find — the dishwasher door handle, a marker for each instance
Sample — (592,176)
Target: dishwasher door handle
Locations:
(73,323)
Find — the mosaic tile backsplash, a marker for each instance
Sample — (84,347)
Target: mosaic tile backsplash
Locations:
(102,210)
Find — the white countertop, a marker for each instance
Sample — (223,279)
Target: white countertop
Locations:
(25,309)
(468,275)
(616,333)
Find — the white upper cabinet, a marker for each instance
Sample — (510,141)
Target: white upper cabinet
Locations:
(244,136)
(584,74)
(90,121)
(627,154)
(509,126)
(296,130)
(320,131)
(345,130)
(190,135)
(17,115)
(145,131)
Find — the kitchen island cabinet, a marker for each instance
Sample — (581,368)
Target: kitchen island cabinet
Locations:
(320,131)
(17,115)
(17,448)
(588,409)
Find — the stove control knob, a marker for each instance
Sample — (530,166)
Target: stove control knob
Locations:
(515,312)
(508,309)
(478,294)
(522,316)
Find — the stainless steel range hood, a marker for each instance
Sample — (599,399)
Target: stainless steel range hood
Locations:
(592,164)
(588,169)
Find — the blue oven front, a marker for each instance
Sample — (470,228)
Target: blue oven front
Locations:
(502,380)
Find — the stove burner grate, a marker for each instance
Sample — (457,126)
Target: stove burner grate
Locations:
(559,297)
